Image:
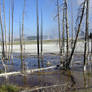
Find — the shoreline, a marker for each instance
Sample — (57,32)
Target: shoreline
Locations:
(51,47)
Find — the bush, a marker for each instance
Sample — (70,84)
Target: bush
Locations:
(9,88)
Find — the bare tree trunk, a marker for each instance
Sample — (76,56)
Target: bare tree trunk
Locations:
(22,39)
(23,25)
(72,23)
(9,34)
(59,32)
(63,38)
(63,34)
(3,51)
(65,28)
(37,32)
(5,25)
(21,48)
(67,31)
(12,31)
(41,33)
(42,38)
(79,25)
(86,35)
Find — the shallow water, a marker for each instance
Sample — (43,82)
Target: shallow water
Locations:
(74,80)
(31,62)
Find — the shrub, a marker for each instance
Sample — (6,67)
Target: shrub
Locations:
(9,88)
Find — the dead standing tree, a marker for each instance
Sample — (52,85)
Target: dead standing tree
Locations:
(63,37)
(86,34)
(3,50)
(12,30)
(41,37)
(72,21)
(5,25)
(9,34)
(65,29)
(63,34)
(21,54)
(67,64)
(22,38)
(59,31)
(37,15)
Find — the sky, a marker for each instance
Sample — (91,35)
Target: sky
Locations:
(90,13)
(49,12)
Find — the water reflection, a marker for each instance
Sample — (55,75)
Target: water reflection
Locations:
(85,80)
(70,78)
(38,62)
(25,80)
(42,61)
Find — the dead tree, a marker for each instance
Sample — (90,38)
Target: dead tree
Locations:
(37,15)
(5,25)
(86,34)
(41,33)
(59,31)
(63,38)
(23,14)
(65,27)
(72,23)
(9,34)
(12,30)
(41,37)
(3,50)
(67,64)
(21,53)
(22,38)
(63,33)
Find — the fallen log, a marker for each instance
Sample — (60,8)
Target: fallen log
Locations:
(44,87)
(27,71)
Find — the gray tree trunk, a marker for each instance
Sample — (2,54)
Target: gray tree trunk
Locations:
(37,32)
(86,34)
